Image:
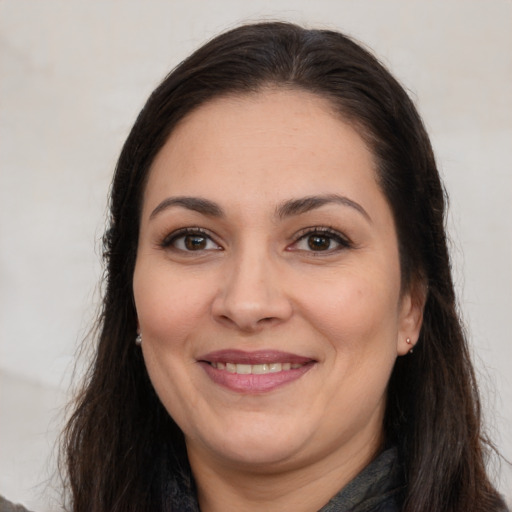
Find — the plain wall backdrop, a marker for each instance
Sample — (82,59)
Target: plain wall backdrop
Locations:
(73,76)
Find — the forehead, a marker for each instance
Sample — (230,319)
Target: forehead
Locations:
(284,135)
(286,112)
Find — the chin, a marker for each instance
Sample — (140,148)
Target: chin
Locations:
(260,454)
(260,444)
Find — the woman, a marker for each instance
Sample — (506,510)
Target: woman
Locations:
(279,329)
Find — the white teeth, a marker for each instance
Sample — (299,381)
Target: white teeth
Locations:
(256,369)
(244,369)
(259,368)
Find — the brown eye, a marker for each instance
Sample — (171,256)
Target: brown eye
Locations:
(195,242)
(319,242)
(190,240)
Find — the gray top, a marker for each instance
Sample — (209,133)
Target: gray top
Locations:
(378,488)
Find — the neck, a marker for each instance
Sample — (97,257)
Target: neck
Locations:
(232,487)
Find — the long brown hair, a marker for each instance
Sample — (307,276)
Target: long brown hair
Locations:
(122,450)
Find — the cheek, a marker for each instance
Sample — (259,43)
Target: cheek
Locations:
(358,319)
(169,306)
(354,304)
(169,310)
(356,312)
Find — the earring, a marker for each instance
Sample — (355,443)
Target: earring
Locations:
(409,342)
(138,340)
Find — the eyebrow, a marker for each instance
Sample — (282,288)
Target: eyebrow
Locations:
(286,209)
(306,204)
(197,204)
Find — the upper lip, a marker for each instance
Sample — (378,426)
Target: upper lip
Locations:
(253,357)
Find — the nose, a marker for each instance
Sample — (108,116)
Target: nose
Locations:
(252,295)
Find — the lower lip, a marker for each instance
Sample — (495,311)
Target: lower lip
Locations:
(254,383)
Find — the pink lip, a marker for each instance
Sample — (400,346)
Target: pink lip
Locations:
(254,383)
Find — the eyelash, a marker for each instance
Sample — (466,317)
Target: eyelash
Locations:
(321,231)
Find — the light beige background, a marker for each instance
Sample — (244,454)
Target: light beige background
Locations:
(73,75)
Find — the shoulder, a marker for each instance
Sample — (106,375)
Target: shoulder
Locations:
(7,506)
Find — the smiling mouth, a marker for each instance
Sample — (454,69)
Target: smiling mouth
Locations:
(254,372)
(255,369)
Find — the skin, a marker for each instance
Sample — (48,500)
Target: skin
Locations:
(254,283)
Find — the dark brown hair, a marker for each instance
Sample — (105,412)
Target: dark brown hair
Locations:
(123,451)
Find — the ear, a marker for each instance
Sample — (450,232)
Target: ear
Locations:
(410,319)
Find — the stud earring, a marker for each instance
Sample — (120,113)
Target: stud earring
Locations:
(138,340)
(409,342)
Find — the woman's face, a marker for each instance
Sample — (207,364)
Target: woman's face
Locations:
(267,284)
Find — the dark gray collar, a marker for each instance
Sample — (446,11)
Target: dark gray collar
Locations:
(378,487)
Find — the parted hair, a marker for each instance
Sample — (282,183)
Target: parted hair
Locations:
(121,449)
